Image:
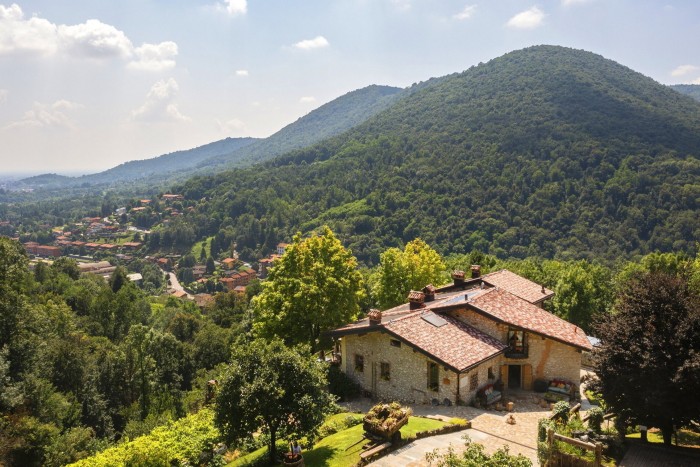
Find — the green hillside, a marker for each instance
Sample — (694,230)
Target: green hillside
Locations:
(330,119)
(543,151)
(692,90)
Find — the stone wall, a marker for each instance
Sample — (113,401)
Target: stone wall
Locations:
(482,323)
(551,359)
(408,380)
(466,394)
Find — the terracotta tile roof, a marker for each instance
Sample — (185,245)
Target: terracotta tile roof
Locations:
(455,343)
(518,285)
(508,308)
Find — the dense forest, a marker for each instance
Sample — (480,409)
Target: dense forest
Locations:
(692,90)
(546,151)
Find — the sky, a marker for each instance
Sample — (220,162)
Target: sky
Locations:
(87,85)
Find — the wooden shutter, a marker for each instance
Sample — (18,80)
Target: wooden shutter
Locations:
(504,375)
(527,376)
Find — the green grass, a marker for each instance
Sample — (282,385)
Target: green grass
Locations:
(686,438)
(343,449)
(196,249)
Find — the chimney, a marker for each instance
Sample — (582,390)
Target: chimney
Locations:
(458,277)
(416,299)
(429,292)
(476,271)
(375,317)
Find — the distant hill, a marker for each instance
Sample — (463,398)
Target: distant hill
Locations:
(544,151)
(330,119)
(692,90)
(42,181)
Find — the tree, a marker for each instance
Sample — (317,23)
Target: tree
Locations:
(274,389)
(315,286)
(400,272)
(649,359)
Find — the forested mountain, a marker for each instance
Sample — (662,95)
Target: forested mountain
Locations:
(544,151)
(692,90)
(330,119)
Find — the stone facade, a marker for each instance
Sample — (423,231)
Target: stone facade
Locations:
(408,380)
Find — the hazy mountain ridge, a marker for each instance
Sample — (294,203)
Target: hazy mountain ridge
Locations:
(692,90)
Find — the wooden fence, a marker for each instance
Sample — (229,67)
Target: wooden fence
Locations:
(560,459)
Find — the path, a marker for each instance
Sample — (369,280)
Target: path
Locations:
(646,455)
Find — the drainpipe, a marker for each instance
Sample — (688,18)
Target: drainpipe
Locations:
(458,385)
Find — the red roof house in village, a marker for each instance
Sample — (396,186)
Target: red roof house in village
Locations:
(447,343)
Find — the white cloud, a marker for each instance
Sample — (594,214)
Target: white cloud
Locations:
(528,19)
(317,42)
(466,13)
(92,39)
(154,57)
(241,72)
(159,105)
(233,126)
(695,81)
(42,115)
(574,2)
(684,70)
(307,100)
(18,35)
(3,96)
(235,7)
(403,5)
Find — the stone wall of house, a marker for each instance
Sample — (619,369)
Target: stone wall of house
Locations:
(408,381)
(551,359)
(466,393)
(482,323)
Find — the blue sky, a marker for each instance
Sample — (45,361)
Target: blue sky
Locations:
(86,85)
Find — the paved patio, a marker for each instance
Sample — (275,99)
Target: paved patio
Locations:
(489,428)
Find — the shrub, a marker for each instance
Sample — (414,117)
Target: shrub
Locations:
(540,385)
(595,418)
(341,385)
(561,411)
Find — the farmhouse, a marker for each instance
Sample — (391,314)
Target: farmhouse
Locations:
(447,343)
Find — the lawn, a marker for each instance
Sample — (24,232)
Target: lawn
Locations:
(343,448)
(686,438)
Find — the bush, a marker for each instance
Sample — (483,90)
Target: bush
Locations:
(595,418)
(561,411)
(540,385)
(341,385)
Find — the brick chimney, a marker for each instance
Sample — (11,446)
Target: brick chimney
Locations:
(416,299)
(429,292)
(375,317)
(458,277)
(476,271)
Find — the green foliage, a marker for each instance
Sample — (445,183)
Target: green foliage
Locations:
(180,441)
(595,418)
(341,385)
(313,288)
(273,389)
(561,411)
(399,272)
(475,456)
(652,344)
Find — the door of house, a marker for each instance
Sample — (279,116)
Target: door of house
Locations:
(514,374)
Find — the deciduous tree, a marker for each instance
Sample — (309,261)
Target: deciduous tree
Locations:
(274,389)
(648,364)
(315,286)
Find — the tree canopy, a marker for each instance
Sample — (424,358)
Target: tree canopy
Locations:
(399,272)
(649,358)
(315,286)
(273,388)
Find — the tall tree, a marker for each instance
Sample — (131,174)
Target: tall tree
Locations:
(400,272)
(315,286)
(272,388)
(648,364)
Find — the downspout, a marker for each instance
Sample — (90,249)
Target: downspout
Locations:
(459,383)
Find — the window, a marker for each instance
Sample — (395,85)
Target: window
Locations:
(359,363)
(516,340)
(433,376)
(474,382)
(395,343)
(385,371)
(491,374)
